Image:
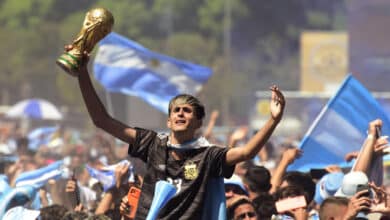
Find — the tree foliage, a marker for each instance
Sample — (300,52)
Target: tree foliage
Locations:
(263,45)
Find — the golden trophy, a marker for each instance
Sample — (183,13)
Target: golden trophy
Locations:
(97,24)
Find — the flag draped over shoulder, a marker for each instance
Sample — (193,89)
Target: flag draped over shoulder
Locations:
(341,127)
(124,66)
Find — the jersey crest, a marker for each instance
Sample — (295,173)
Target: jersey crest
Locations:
(190,171)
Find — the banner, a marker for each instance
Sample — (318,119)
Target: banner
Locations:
(324,60)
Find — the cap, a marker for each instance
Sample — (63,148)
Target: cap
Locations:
(235,180)
(327,186)
(350,182)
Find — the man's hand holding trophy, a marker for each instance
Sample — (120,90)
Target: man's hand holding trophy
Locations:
(97,24)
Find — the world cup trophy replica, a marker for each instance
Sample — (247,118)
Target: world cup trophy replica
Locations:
(97,24)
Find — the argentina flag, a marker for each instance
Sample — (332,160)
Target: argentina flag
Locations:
(106,174)
(341,127)
(42,175)
(40,136)
(124,66)
(18,196)
(4,184)
(105,177)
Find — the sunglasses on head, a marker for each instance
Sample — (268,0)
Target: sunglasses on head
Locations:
(243,215)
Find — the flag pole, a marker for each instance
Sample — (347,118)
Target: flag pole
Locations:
(109,103)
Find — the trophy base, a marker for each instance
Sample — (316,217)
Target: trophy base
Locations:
(68,63)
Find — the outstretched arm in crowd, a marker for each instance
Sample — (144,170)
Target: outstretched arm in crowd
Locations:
(120,189)
(237,135)
(373,146)
(250,149)
(96,109)
(289,155)
(209,129)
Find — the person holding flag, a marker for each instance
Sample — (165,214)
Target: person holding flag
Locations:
(180,157)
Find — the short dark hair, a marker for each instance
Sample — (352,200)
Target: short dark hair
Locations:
(98,217)
(264,205)
(258,179)
(75,215)
(302,180)
(188,99)
(53,212)
(290,191)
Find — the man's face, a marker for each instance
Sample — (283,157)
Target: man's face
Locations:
(183,118)
(245,211)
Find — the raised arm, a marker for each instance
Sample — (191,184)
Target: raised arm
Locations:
(96,109)
(250,149)
(209,129)
(366,153)
(288,157)
(238,135)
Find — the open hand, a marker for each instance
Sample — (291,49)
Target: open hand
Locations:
(277,103)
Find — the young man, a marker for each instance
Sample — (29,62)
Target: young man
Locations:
(181,158)
(241,208)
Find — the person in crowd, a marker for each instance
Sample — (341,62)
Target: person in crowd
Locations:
(257,180)
(333,208)
(75,215)
(242,167)
(266,156)
(238,137)
(327,186)
(288,157)
(300,180)
(111,201)
(342,208)
(53,212)
(234,187)
(181,158)
(98,217)
(292,201)
(208,132)
(264,206)
(240,208)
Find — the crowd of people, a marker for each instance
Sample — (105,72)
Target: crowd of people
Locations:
(259,188)
(245,178)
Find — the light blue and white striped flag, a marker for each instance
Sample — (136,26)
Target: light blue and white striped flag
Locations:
(40,136)
(40,176)
(106,175)
(18,196)
(124,66)
(341,127)
(4,184)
